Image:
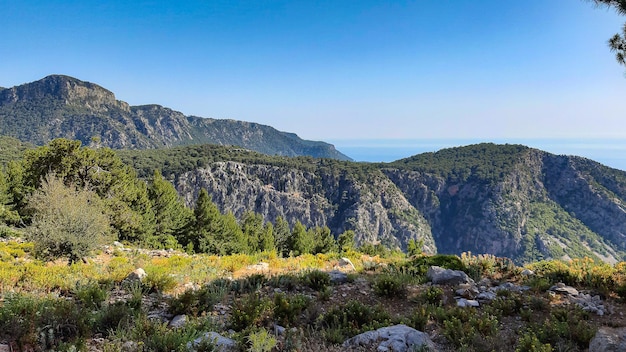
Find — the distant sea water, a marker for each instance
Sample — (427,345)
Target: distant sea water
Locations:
(610,152)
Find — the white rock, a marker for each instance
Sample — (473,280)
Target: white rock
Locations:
(609,340)
(397,338)
(462,302)
(259,267)
(137,275)
(528,272)
(441,276)
(221,343)
(178,321)
(346,263)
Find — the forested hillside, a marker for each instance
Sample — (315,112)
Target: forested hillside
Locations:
(507,200)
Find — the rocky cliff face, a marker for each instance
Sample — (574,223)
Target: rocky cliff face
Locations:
(509,201)
(64,107)
(373,207)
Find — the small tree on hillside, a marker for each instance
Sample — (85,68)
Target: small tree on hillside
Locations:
(66,222)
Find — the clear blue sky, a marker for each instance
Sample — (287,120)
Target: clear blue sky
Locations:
(339,69)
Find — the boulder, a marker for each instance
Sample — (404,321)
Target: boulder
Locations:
(608,340)
(440,276)
(178,321)
(221,343)
(563,289)
(462,302)
(137,275)
(346,263)
(338,277)
(397,338)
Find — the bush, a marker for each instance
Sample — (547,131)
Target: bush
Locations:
(249,311)
(389,286)
(317,279)
(67,222)
(431,295)
(288,308)
(353,318)
(91,295)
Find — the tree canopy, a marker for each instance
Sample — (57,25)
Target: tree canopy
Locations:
(617,43)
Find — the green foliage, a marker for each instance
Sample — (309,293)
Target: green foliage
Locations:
(353,318)
(261,341)
(530,343)
(91,295)
(419,266)
(250,311)
(100,171)
(414,248)
(301,240)
(287,309)
(171,215)
(389,286)
(316,279)
(67,222)
(248,284)
(345,241)
(432,295)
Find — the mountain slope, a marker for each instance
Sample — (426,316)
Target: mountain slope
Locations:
(507,200)
(65,107)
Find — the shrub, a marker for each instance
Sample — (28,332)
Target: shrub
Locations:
(288,308)
(389,286)
(200,301)
(91,295)
(316,279)
(249,311)
(530,343)
(249,284)
(431,295)
(353,318)
(261,341)
(67,222)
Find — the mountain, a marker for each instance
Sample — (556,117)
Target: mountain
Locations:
(64,107)
(507,200)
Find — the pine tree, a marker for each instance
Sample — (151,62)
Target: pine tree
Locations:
(324,240)
(170,213)
(206,226)
(282,233)
(301,240)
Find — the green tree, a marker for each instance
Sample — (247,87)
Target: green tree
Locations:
(346,241)
(324,240)
(230,238)
(252,227)
(202,233)
(301,240)
(617,43)
(171,215)
(67,222)
(282,233)
(100,171)
(266,242)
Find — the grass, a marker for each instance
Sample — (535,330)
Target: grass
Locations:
(53,306)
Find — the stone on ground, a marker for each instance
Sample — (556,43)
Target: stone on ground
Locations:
(397,338)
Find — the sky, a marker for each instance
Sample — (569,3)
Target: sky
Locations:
(341,69)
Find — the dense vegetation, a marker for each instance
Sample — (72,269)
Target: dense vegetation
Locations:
(71,197)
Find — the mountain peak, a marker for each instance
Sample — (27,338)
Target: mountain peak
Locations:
(66,89)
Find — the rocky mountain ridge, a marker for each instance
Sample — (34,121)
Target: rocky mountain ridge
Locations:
(59,106)
(506,200)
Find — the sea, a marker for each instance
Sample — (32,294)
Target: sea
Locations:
(610,152)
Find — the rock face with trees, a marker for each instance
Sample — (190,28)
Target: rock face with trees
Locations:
(506,200)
